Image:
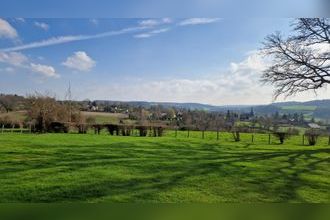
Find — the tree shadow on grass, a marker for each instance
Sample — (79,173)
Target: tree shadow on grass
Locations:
(159,167)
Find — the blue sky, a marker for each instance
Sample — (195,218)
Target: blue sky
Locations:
(161,8)
(208,60)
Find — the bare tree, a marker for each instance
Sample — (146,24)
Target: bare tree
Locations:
(7,102)
(203,122)
(218,123)
(301,62)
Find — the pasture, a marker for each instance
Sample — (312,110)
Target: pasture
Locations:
(97,168)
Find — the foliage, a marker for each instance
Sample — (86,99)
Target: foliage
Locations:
(312,136)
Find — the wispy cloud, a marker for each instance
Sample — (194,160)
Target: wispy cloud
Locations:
(152,33)
(20,20)
(41,25)
(198,21)
(67,39)
(155,22)
(94,21)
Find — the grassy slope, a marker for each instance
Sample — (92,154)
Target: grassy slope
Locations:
(299,108)
(59,167)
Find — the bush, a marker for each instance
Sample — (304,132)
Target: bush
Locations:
(9,122)
(143,130)
(312,136)
(281,135)
(58,127)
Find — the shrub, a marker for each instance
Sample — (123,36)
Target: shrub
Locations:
(143,130)
(282,135)
(312,136)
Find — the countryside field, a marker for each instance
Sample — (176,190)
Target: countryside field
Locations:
(95,168)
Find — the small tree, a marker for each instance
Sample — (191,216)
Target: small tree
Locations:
(281,135)
(312,136)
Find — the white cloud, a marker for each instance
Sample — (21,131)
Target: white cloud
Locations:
(79,61)
(144,35)
(20,61)
(94,21)
(152,33)
(13,58)
(20,20)
(155,22)
(198,21)
(167,20)
(47,71)
(67,39)
(239,84)
(41,25)
(149,22)
(7,70)
(6,30)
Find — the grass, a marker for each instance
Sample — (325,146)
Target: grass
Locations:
(299,108)
(92,168)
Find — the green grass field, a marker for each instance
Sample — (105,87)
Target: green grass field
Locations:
(299,108)
(91,168)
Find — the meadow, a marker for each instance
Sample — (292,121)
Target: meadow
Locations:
(95,168)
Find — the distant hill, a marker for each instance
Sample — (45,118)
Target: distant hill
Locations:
(316,108)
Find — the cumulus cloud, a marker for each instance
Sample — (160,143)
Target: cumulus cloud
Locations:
(41,25)
(17,60)
(198,21)
(79,61)
(238,84)
(13,58)
(6,30)
(47,71)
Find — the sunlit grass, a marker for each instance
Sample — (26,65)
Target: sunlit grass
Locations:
(94,168)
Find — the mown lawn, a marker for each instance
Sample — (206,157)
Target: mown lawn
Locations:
(91,168)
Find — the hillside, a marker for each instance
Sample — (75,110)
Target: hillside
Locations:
(315,108)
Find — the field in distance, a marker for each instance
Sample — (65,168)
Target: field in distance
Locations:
(94,168)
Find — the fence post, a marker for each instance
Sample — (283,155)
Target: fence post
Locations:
(268,138)
(252,137)
(188,133)
(3,127)
(203,134)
